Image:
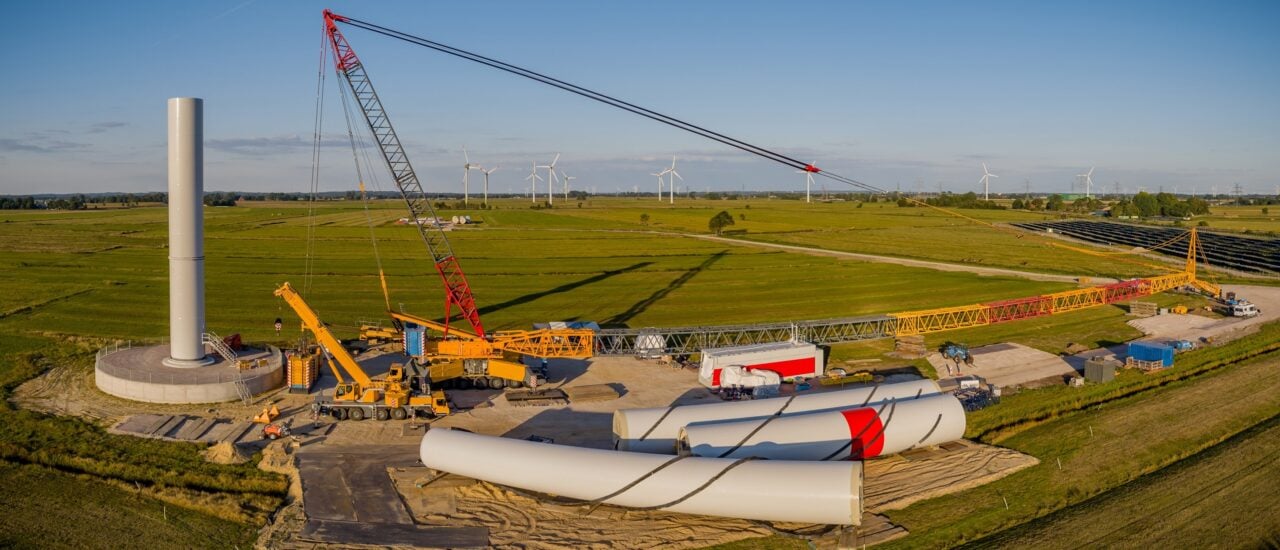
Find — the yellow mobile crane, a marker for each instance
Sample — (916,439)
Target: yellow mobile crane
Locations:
(394,396)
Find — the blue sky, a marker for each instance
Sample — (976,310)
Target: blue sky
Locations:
(1172,95)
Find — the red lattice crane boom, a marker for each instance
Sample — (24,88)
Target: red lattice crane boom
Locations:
(457,291)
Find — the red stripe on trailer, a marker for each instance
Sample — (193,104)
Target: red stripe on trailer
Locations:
(715,378)
(790,367)
(866,433)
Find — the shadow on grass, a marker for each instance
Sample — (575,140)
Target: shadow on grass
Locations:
(621,319)
(561,289)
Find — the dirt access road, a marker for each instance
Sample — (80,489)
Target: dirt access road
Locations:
(939,266)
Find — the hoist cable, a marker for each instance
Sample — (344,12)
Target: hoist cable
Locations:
(683,125)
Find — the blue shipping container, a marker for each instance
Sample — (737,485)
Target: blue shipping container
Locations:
(414,340)
(1151,351)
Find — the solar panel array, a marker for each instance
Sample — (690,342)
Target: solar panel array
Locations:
(1230,251)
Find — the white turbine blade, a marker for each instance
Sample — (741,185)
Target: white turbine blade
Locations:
(993,175)
(673,162)
(1091,171)
(677,174)
(464,155)
(553,162)
(984,168)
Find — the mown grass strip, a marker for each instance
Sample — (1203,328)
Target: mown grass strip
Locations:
(1031,408)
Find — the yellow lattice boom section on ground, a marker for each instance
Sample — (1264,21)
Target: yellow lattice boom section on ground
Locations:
(554,342)
(927,321)
(935,320)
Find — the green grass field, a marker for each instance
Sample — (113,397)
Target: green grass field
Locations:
(524,266)
(75,280)
(875,228)
(51,509)
(1249,219)
(1224,497)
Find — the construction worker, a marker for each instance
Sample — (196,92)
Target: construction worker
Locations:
(279,325)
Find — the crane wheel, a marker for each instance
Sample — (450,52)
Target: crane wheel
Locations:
(356,414)
(338,413)
(398,413)
(382,414)
(515,384)
(497,383)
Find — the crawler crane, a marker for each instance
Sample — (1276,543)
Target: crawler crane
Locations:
(483,359)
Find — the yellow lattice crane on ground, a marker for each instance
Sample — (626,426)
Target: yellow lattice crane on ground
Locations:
(913,323)
(357,396)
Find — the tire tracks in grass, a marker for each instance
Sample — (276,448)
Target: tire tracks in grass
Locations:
(34,306)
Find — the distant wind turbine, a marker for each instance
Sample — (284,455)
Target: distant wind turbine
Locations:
(1087,177)
(808,182)
(671,184)
(660,175)
(467,167)
(986,182)
(551,178)
(533,180)
(486,182)
(566,178)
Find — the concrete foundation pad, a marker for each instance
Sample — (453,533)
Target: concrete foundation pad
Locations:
(1009,365)
(143,374)
(188,363)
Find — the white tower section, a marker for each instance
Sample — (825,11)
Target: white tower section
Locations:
(186,233)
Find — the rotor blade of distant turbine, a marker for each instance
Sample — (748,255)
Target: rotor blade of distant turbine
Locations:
(464,155)
(984,168)
(993,175)
(677,174)
(553,161)
(1091,171)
